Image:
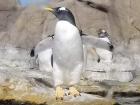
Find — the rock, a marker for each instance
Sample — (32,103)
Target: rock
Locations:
(120,69)
(128,101)
(28,28)
(8,5)
(21,29)
(7,19)
(14,58)
(20,87)
(14,102)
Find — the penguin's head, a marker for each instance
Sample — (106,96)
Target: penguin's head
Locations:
(105,36)
(102,33)
(62,13)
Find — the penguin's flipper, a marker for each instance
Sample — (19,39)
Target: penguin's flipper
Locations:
(32,52)
(111,47)
(94,42)
(98,59)
(43,45)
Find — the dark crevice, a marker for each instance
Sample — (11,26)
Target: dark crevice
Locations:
(100,93)
(100,7)
(126,94)
(41,81)
(116,104)
(138,29)
(96,71)
(14,102)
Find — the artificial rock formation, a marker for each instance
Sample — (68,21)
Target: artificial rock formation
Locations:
(22,28)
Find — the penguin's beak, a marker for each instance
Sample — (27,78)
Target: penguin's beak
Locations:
(49,9)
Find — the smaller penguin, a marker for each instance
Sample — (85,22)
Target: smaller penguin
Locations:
(104,55)
(44,57)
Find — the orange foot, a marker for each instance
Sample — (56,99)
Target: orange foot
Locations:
(59,93)
(73,92)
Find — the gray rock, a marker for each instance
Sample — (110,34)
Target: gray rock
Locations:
(8,5)
(21,29)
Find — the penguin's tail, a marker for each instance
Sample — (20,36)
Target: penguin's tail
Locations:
(32,53)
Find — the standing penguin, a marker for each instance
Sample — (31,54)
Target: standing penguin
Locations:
(67,51)
(103,54)
(44,57)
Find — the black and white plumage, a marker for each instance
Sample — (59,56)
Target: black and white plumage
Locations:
(104,55)
(67,50)
(43,54)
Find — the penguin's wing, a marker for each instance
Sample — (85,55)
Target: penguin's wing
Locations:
(43,45)
(95,42)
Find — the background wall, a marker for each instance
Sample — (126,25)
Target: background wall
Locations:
(21,28)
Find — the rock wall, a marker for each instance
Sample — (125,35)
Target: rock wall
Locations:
(22,28)
(6,5)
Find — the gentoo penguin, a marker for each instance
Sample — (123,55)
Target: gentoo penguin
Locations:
(104,55)
(67,51)
(44,58)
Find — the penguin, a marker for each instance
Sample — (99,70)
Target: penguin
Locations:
(44,58)
(67,51)
(104,55)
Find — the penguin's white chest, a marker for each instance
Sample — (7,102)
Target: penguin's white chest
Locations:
(65,30)
(104,55)
(105,39)
(67,45)
(67,54)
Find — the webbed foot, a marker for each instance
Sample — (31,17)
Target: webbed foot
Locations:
(73,92)
(59,93)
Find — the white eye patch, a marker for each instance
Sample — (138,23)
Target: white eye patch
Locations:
(62,9)
(103,31)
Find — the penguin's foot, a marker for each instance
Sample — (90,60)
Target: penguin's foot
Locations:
(59,93)
(73,92)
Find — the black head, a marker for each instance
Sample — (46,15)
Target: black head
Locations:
(63,13)
(102,33)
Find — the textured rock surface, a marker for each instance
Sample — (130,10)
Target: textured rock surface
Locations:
(23,28)
(27,30)
(8,5)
